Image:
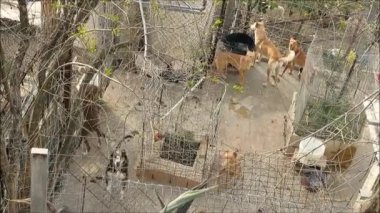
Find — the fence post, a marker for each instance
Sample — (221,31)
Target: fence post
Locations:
(228,16)
(39,180)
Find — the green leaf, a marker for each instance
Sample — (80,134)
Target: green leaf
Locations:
(217,2)
(108,71)
(342,24)
(56,5)
(214,79)
(190,83)
(185,198)
(81,31)
(238,88)
(216,23)
(112,17)
(351,57)
(90,44)
(116,32)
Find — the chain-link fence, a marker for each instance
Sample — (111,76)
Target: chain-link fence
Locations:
(161,107)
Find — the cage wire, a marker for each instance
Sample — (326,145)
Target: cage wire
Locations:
(336,81)
(161,102)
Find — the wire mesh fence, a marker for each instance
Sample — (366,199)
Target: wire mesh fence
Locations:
(166,114)
(267,182)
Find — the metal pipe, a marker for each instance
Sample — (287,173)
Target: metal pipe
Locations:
(181,8)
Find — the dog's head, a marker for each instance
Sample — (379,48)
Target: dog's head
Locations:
(257,25)
(119,157)
(230,156)
(293,44)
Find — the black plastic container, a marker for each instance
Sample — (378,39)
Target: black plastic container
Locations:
(238,43)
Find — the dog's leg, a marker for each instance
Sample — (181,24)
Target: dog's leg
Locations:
(87,144)
(123,187)
(286,67)
(100,134)
(218,66)
(271,65)
(258,57)
(291,68)
(108,182)
(244,66)
(223,69)
(242,79)
(268,76)
(84,133)
(300,73)
(276,75)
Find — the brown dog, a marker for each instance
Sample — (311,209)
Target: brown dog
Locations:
(266,47)
(241,62)
(299,59)
(230,164)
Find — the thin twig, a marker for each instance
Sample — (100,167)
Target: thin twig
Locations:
(144,27)
(102,74)
(183,97)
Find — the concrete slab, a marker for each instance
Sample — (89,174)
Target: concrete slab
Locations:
(252,121)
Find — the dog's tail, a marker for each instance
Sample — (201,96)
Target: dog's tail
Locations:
(290,57)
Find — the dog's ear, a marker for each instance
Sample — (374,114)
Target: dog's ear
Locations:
(124,154)
(235,154)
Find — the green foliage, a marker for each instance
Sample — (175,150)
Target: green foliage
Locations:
(310,8)
(56,5)
(185,198)
(190,83)
(155,8)
(323,112)
(217,2)
(215,79)
(90,45)
(351,57)
(108,71)
(238,88)
(116,31)
(81,31)
(342,25)
(88,41)
(216,23)
(114,18)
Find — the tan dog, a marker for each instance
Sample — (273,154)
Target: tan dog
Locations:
(299,59)
(241,62)
(266,47)
(230,164)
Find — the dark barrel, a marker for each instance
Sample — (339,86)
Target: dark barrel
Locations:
(239,43)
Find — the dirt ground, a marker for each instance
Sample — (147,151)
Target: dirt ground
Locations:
(251,121)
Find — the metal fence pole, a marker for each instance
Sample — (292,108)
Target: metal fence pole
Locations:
(39,180)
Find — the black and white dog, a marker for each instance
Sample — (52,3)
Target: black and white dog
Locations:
(117,169)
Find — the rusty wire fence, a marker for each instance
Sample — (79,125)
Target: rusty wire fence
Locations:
(170,94)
